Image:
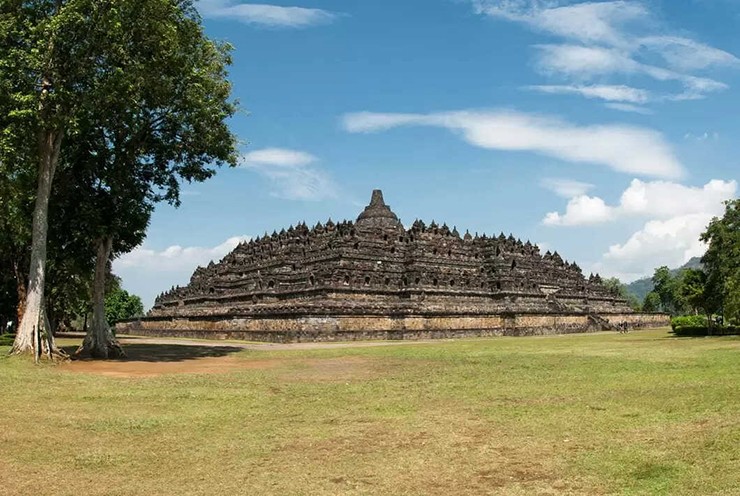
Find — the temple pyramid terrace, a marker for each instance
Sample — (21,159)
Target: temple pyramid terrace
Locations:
(374,279)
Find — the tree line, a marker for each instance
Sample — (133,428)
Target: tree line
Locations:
(712,290)
(106,107)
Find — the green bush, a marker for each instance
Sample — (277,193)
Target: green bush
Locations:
(688,331)
(703,330)
(7,339)
(728,330)
(688,321)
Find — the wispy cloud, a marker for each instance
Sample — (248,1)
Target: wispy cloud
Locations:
(586,62)
(628,107)
(609,93)
(280,157)
(601,22)
(265,14)
(688,55)
(630,149)
(567,188)
(612,38)
(705,136)
(292,173)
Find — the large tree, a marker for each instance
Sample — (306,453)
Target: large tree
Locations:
(722,260)
(666,286)
(693,294)
(130,156)
(17,165)
(143,76)
(48,51)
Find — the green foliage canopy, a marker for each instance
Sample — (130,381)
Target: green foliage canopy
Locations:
(120,305)
(722,261)
(142,99)
(651,303)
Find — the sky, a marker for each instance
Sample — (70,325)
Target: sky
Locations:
(607,131)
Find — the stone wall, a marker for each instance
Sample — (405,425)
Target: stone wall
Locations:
(350,328)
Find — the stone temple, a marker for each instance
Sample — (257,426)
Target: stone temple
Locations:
(374,279)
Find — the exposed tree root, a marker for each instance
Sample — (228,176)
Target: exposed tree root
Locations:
(99,340)
(39,343)
(105,348)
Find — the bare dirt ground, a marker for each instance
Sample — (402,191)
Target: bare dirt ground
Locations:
(151,357)
(256,346)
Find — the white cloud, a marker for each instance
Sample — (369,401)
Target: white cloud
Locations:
(147,272)
(664,200)
(629,149)
(279,157)
(586,22)
(676,215)
(628,107)
(613,38)
(291,173)
(688,55)
(581,210)
(670,242)
(586,62)
(583,62)
(656,199)
(567,188)
(610,93)
(264,14)
(176,257)
(370,122)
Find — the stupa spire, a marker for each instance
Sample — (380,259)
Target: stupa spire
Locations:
(378,214)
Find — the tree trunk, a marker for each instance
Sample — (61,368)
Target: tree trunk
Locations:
(33,334)
(20,285)
(99,340)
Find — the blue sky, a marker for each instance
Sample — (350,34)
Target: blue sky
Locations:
(604,130)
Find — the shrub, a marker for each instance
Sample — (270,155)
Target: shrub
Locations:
(688,331)
(729,330)
(688,321)
(7,339)
(703,330)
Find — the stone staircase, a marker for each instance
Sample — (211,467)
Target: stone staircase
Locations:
(602,322)
(594,318)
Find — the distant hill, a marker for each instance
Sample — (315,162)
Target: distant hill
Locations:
(641,287)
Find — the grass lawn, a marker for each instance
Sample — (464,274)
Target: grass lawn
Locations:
(642,413)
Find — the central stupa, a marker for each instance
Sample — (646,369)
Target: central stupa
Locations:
(374,279)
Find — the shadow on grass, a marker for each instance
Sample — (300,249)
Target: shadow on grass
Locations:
(164,352)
